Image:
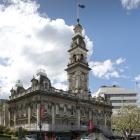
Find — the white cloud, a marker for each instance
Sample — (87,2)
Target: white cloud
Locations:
(30,41)
(100,69)
(137,78)
(107,69)
(120,61)
(130,4)
(61,86)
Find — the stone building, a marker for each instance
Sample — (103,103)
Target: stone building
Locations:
(3,112)
(64,110)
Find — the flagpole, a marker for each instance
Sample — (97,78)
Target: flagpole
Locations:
(77,11)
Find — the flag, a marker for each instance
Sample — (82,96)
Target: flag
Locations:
(90,126)
(81,6)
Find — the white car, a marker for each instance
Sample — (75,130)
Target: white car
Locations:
(85,138)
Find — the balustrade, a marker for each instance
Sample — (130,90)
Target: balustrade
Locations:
(50,127)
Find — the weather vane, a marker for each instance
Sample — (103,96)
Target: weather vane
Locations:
(78,6)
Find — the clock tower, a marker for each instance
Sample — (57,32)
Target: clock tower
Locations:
(78,68)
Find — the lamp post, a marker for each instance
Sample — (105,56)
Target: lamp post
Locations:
(40,127)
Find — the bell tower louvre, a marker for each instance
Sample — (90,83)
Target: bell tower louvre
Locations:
(78,68)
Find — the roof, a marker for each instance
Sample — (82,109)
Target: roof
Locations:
(114,90)
(3,100)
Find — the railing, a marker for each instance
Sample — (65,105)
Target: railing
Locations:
(49,127)
(59,92)
(69,128)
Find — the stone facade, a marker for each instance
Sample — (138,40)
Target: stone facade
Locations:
(78,68)
(3,112)
(64,110)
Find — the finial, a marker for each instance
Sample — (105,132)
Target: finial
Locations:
(78,20)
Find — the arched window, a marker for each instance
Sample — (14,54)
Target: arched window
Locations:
(65,109)
(74,58)
(82,57)
(57,109)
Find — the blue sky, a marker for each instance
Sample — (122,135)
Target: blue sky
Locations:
(114,30)
(112,26)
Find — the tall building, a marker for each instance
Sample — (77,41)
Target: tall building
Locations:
(78,68)
(41,106)
(118,96)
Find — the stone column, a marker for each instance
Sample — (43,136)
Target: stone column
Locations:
(78,117)
(14,119)
(9,119)
(4,115)
(105,119)
(110,113)
(53,117)
(38,116)
(0,117)
(29,117)
(90,115)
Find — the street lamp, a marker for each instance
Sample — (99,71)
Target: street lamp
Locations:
(40,127)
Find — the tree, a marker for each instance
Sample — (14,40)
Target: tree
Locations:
(127,121)
(2,129)
(6,131)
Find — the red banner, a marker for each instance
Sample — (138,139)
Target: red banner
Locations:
(46,137)
(42,112)
(90,126)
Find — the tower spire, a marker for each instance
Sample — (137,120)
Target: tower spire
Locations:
(78,68)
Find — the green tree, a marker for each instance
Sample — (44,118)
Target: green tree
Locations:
(6,131)
(2,129)
(127,121)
